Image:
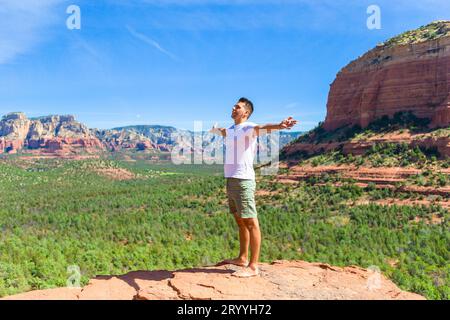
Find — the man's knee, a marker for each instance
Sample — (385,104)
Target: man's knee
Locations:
(251,223)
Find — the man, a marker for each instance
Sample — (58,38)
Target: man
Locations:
(240,142)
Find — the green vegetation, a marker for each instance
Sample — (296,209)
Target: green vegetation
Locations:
(385,124)
(381,155)
(430,178)
(432,31)
(56,213)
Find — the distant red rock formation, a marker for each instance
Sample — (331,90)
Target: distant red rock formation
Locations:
(392,78)
(10,146)
(61,134)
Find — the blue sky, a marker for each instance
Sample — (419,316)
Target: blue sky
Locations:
(174,62)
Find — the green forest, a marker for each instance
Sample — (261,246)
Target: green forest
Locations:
(56,213)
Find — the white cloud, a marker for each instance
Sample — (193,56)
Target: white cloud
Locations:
(151,42)
(23,24)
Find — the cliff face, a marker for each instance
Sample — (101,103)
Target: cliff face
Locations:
(115,140)
(160,137)
(62,134)
(50,134)
(14,129)
(410,72)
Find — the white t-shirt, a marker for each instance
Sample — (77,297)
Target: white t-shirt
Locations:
(240,144)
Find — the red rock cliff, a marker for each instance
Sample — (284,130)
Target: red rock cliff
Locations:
(410,72)
(46,134)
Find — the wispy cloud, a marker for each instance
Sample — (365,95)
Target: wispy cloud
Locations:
(315,15)
(419,4)
(237,2)
(152,43)
(23,25)
(88,48)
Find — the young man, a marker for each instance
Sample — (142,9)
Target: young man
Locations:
(240,142)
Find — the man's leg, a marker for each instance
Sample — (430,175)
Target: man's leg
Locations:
(252,225)
(244,236)
(244,240)
(248,211)
(252,269)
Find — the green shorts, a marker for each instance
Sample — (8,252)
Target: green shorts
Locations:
(241,197)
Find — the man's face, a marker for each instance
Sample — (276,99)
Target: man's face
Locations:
(239,111)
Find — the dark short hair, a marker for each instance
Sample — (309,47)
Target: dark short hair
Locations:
(248,105)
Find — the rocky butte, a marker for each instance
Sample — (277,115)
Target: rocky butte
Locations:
(410,72)
(52,133)
(403,83)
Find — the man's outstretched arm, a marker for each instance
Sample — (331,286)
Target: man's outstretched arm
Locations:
(287,123)
(219,131)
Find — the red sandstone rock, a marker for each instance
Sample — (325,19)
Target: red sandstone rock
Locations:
(61,135)
(389,79)
(54,144)
(10,146)
(144,145)
(382,177)
(279,280)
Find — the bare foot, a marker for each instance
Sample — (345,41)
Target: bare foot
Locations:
(246,272)
(237,262)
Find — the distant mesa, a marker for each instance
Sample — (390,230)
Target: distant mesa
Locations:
(51,134)
(63,135)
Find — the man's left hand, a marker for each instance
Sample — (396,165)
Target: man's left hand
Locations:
(288,123)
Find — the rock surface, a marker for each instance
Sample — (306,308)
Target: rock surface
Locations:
(278,280)
(410,72)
